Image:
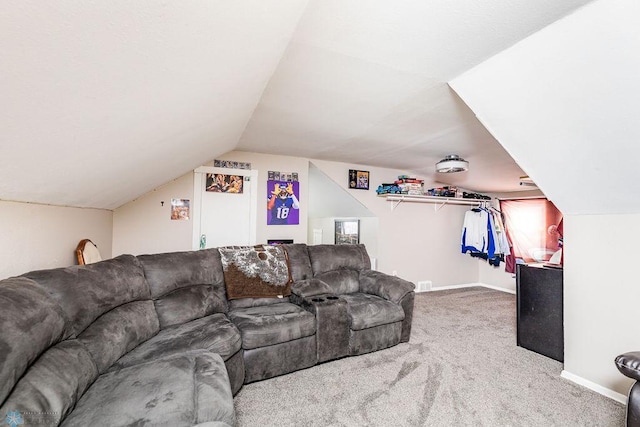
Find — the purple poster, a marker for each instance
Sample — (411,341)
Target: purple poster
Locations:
(283,207)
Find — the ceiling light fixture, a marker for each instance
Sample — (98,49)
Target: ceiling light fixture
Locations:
(452,163)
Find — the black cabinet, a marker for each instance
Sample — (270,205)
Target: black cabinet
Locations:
(539,310)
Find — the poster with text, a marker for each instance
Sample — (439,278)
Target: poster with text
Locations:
(283,206)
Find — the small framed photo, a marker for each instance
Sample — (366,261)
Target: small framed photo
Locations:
(347,231)
(358,180)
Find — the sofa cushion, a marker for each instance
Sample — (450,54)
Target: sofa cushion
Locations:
(391,288)
(213,333)
(167,272)
(119,331)
(367,311)
(86,292)
(311,287)
(53,385)
(31,321)
(334,257)
(181,390)
(272,324)
(256,272)
(190,303)
(341,281)
(299,261)
(255,302)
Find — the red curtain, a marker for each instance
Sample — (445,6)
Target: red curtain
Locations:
(534,227)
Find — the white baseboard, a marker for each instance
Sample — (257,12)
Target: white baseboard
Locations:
(498,288)
(618,397)
(470,285)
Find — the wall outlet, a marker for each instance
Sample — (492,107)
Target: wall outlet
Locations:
(424,286)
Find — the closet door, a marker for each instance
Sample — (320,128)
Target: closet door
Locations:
(225,218)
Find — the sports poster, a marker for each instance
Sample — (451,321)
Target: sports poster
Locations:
(283,206)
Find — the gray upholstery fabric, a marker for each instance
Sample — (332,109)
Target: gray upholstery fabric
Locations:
(272,324)
(310,287)
(86,292)
(279,359)
(341,281)
(30,322)
(213,333)
(54,382)
(170,271)
(235,370)
(190,303)
(213,424)
(299,261)
(255,302)
(367,311)
(182,390)
(373,339)
(391,288)
(334,257)
(119,331)
(332,326)
(155,328)
(407,306)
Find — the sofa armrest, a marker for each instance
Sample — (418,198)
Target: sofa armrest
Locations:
(310,287)
(391,288)
(629,364)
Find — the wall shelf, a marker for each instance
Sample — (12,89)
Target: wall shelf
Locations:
(439,202)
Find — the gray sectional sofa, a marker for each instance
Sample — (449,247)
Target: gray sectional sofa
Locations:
(154,340)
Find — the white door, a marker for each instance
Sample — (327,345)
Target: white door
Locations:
(226,216)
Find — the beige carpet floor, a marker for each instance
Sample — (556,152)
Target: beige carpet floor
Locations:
(461,368)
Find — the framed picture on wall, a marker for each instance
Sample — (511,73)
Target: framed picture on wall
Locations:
(358,180)
(347,231)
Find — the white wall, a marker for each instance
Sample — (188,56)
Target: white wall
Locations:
(144,225)
(264,163)
(495,276)
(564,101)
(368,231)
(601,295)
(416,240)
(35,237)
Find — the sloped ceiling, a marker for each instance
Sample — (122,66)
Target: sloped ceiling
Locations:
(574,98)
(103,101)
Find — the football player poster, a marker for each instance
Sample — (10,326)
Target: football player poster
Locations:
(283,207)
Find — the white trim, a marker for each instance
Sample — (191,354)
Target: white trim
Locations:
(470,285)
(196,206)
(618,397)
(498,288)
(253,213)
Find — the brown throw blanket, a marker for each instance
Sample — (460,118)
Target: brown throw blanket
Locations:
(256,271)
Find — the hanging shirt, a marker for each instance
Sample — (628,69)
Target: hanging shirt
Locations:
(475,236)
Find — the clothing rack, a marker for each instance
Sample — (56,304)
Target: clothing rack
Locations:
(438,201)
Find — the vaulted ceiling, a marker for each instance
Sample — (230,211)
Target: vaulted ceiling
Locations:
(101,102)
